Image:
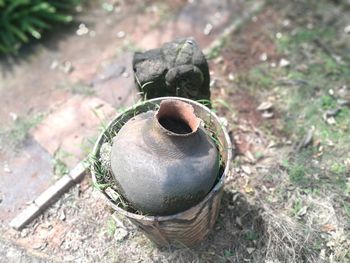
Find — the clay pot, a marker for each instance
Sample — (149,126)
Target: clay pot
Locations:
(164,162)
(186,228)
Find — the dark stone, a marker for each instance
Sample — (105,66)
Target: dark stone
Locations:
(178,68)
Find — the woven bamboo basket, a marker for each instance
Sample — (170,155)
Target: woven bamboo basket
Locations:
(194,224)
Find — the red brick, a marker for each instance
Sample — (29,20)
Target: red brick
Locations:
(71,125)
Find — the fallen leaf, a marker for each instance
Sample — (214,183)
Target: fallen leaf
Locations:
(328,228)
(307,139)
(246,169)
(248,189)
(266,105)
(302,211)
(267,115)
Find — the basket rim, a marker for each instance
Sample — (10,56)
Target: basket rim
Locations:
(219,185)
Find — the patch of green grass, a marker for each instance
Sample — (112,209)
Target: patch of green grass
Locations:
(307,92)
(59,165)
(77,88)
(111,227)
(228,253)
(87,144)
(297,174)
(215,51)
(297,167)
(22,126)
(258,155)
(257,79)
(289,42)
(128,46)
(346,208)
(297,206)
(328,102)
(251,235)
(338,168)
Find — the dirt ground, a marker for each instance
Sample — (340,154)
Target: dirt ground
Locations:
(282,81)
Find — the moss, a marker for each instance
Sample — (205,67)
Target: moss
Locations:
(338,168)
(297,174)
(59,165)
(19,132)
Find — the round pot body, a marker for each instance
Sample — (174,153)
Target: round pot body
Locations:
(164,161)
(192,225)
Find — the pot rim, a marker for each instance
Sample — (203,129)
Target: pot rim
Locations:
(187,212)
(189,118)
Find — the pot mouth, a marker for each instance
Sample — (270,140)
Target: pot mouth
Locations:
(177,118)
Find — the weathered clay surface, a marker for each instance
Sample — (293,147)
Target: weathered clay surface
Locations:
(160,171)
(178,68)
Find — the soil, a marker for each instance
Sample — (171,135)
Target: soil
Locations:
(246,48)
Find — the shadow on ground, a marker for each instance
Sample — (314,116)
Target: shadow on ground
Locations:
(249,233)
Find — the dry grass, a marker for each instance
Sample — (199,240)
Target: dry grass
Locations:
(288,240)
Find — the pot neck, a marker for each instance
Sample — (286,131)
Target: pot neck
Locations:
(176,118)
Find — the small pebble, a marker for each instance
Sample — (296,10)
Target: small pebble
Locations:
(286,23)
(62,216)
(263,57)
(7,169)
(284,63)
(231,77)
(120,234)
(82,30)
(121,34)
(67,67)
(208,28)
(246,169)
(347,29)
(54,64)
(13,116)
